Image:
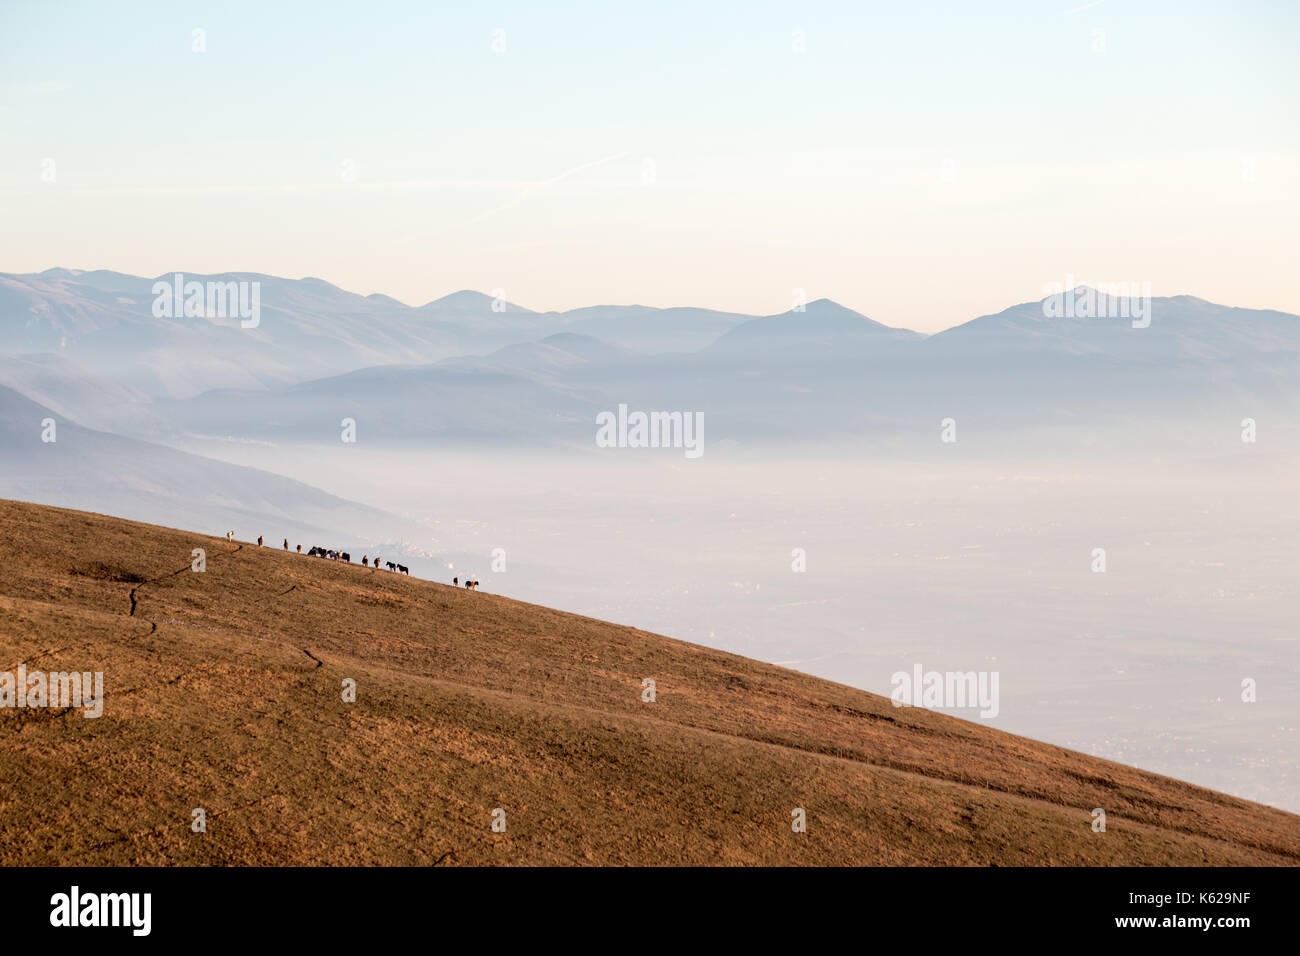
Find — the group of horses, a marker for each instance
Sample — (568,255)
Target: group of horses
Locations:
(392,566)
(332,555)
(365,559)
(324,553)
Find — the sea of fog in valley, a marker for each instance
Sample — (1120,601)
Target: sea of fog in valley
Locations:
(951,560)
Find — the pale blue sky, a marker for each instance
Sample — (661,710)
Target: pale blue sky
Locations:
(921,163)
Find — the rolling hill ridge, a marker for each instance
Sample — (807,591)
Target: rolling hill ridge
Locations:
(223,691)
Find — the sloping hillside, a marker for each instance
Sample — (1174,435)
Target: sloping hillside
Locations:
(223,692)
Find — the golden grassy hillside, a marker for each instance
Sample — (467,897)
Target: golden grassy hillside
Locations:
(223,692)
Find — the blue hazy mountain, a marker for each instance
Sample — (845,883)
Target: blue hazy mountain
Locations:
(471,368)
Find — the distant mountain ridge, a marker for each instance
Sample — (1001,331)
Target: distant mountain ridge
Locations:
(469,367)
(308,328)
(1178,327)
(109,473)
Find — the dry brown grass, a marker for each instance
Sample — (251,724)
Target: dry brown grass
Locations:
(223,691)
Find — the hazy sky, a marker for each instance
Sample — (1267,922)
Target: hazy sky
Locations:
(922,163)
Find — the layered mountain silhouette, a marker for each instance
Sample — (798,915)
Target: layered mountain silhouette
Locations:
(308,328)
(74,466)
(474,368)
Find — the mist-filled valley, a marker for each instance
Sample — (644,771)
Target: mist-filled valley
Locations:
(959,563)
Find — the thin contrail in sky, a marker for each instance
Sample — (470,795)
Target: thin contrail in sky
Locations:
(531,187)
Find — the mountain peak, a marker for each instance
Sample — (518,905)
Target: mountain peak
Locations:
(821,325)
(466,300)
(825,306)
(380,299)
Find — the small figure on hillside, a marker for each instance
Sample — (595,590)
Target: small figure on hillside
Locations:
(365,561)
(286,544)
(259,540)
(300,549)
(230,537)
(455,582)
